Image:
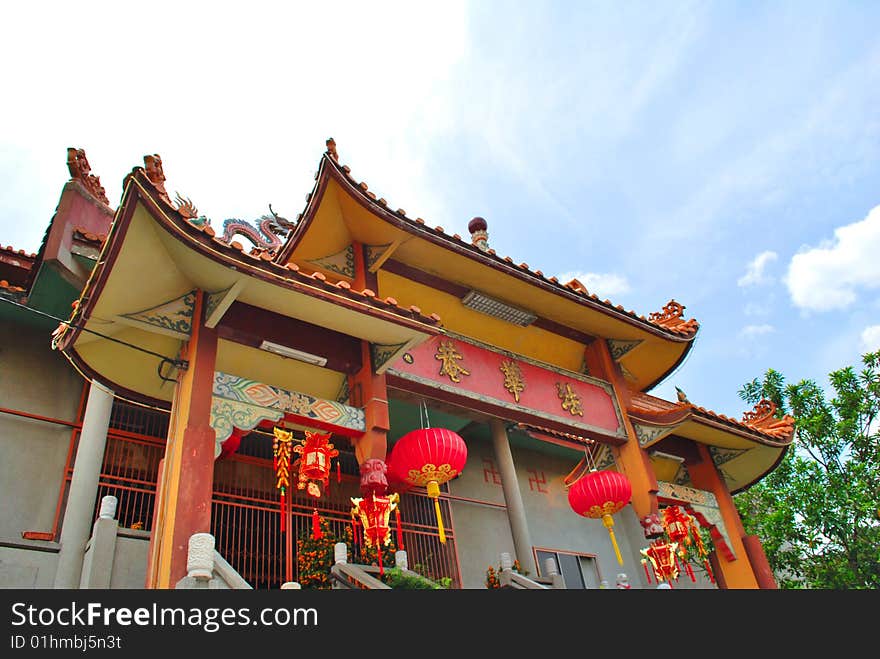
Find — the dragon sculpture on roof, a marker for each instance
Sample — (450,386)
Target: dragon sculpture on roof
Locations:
(266,235)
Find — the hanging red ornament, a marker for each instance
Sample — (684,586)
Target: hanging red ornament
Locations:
(374,513)
(399,528)
(428,457)
(316,525)
(661,554)
(281,449)
(598,495)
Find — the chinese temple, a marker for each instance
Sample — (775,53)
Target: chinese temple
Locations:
(261,381)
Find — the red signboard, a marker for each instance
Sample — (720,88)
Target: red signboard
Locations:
(491,379)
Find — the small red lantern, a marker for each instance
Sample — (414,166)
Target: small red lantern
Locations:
(677,523)
(316,454)
(598,495)
(428,457)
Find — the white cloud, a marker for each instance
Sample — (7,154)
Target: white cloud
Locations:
(829,276)
(871,338)
(602,284)
(754,331)
(755,270)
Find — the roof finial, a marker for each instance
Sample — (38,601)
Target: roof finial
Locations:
(331,149)
(479,234)
(156,175)
(80,170)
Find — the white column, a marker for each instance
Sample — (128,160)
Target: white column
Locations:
(516,512)
(79,513)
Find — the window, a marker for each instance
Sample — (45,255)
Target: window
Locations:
(578,570)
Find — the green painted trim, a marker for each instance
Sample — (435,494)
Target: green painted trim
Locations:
(342,263)
(176,315)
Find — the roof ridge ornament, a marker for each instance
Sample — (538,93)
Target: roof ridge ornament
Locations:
(185,207)
(331,149)
(156,175)
(671,317)
(479,234)
(80,171)
(763,418)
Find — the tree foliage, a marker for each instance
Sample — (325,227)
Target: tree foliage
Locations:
(817,512)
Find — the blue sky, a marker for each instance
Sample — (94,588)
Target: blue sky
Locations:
(725,154)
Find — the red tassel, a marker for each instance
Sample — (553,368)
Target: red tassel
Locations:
(709,571)
(690,572)
(399,529)
(379,554)
(647,574)
(338,473)
(283,512)
(316,525)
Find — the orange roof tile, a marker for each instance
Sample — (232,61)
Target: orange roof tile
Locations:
(761,420)
(84,235)
(17,252)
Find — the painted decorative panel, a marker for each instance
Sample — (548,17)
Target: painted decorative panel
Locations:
(491,377)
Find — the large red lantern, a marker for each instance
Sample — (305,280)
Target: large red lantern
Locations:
(598,495)
(428,457)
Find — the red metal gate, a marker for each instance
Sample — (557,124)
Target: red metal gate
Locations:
(245,511)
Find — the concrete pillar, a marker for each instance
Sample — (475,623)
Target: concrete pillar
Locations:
(80,508)
(516,512)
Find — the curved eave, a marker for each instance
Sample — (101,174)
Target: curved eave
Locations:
(197,258)
(329,168)
(744,454)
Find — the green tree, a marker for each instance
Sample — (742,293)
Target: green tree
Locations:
(817,512)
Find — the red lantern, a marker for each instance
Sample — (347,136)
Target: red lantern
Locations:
(428,457)
(598,495)
(677,523)
(314,464)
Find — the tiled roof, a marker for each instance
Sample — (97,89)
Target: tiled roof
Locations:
(17,252)
(761,420)
(263,259)
(96,239)
(670,319)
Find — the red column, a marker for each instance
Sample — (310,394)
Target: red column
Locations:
(369,391)
(758,559)
(704,475)
(632,460)
(184,501)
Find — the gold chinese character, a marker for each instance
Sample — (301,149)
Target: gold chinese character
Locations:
(513,378)
(449,357)
(571,402)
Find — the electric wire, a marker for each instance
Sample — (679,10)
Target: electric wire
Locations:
(181,364)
